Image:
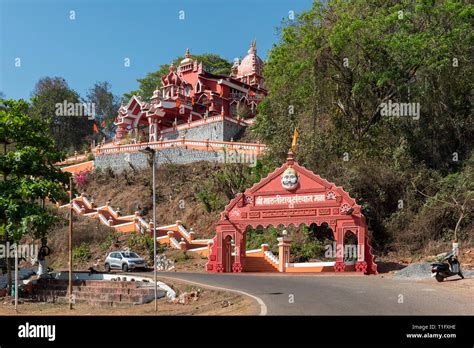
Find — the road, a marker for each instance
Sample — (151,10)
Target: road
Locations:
(343,295)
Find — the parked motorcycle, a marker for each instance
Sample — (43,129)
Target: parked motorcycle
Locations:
(449,266)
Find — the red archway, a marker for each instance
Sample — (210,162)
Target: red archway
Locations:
(290,195)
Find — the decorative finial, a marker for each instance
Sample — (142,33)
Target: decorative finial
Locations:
(172,67)
(290,159)
(187,54)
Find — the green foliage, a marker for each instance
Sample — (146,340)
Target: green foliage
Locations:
(227,181)
(335,66)
(212,63)
(143,243)
(210,198)
(28,173)
(106,106)
(256,237)
(182,257)
(90,157)
(81,253)
(68,132)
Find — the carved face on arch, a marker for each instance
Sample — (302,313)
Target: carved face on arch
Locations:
(289,179)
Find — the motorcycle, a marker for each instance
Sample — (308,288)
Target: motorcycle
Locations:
(448,267)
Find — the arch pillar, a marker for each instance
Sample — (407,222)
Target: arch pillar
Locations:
(284,244)
(361,265)
(339,263)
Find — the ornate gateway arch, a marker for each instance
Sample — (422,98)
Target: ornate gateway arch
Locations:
(291,195)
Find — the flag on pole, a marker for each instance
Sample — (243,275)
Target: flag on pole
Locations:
(294,142)
(94,128)
(221,94)
(178,103)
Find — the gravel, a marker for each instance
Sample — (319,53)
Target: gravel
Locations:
(423,271)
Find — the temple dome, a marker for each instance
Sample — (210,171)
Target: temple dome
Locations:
(251,64)
(187,58)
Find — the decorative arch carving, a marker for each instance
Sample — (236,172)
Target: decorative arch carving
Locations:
(273,202)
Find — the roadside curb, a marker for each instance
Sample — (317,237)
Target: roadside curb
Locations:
(263,306)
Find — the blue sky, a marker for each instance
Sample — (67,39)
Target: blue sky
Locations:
(93,47)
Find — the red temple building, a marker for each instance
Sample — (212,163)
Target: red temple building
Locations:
(189,93)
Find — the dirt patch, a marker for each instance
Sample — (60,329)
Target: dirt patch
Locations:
(209,302)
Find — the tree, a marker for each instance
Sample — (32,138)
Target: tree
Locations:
(454,192)
(106,106)
(28,174)
(330,75)
(69,131)
(212,63)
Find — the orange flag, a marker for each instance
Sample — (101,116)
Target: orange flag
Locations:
(193,101)
(294,143)
(221,94)
(94,128)
(178,103)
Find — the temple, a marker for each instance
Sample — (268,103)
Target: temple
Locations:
(189,94)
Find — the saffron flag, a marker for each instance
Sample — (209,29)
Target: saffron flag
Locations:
(94,128)
(193,101)
(296,134)
(221,94)
(178,103)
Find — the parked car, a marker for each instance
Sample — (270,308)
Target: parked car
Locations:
(124,260)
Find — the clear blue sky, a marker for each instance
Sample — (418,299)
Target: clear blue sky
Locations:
(93,47)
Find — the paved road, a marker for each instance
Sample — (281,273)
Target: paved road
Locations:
(342,295)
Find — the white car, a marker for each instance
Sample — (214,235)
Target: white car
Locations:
(124,260)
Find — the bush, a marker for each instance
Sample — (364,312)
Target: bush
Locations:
(182,257)
(82,253)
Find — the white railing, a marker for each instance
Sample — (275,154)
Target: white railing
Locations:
(200,122)
(199,249)
(143,222)
(112,211)
(86,201)
(124,223)
(200,241)
(103,219)
(269,255)
(174,242)
(76,206)
(184,232)
(166,227)
(210,145)
(311,264)
(253,251)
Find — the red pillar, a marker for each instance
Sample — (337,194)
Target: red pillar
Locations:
(339,264)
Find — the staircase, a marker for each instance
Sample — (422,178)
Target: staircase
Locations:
(257,261)
(94,292)
(175,235)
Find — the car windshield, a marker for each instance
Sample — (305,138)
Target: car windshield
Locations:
(130,255)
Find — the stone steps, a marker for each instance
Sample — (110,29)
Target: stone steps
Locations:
(258,264)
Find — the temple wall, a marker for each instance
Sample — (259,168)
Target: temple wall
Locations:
(218,131)
(119,162)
